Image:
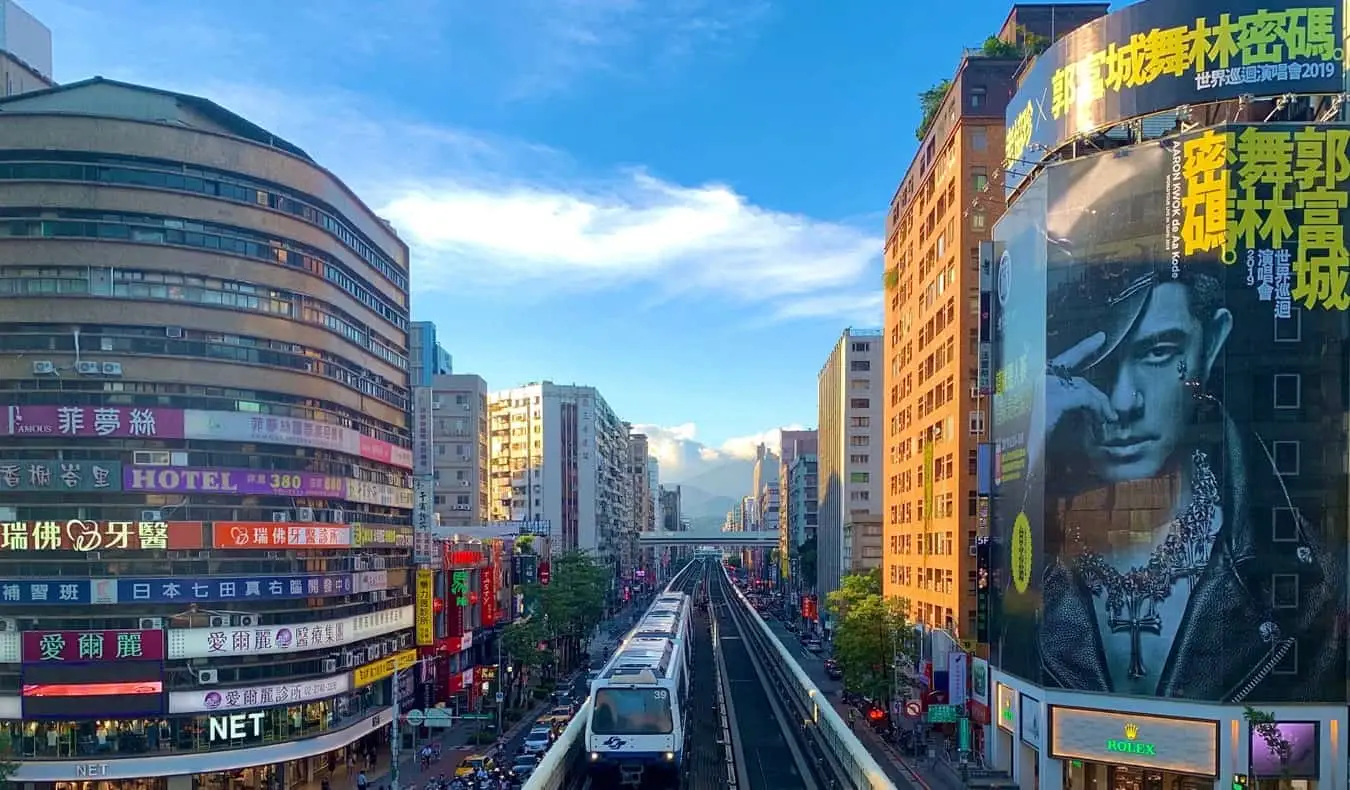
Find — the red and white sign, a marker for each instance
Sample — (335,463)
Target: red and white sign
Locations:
(86,535)
(272,639)
(44,647)
(913,709)
(487,585)
(269,535)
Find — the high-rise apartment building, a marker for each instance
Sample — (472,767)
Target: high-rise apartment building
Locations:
(797,486)
(849,458)
(427,358)
(558,454)
(945,206)
(206,494)
(25,51)
(460,457)
(643,507)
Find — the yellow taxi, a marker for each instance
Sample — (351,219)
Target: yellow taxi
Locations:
(472,763)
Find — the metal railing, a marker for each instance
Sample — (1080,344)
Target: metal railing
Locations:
(564,763)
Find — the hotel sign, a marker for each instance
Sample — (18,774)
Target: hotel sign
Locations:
(1185,746)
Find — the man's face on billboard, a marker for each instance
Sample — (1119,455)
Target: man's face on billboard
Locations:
(1145,379)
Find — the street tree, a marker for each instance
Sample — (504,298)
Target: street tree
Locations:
(572,604)
(872,635)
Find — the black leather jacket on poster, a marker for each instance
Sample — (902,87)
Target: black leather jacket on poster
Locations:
(1232,645)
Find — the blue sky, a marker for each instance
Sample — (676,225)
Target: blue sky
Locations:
(678,201)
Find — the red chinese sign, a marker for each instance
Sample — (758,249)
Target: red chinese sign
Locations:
(269,535)
(41,647)
(85,535)
(487,586)
(462,558)
(93,421)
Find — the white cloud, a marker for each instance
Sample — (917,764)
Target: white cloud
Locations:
(682,456)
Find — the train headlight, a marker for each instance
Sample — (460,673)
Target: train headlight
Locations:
(595,756)
(670,756)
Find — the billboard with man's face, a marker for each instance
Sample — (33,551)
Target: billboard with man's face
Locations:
(1170,499)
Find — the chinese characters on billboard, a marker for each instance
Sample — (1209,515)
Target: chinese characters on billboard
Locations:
(426,612)
(1155,55)
(94,421)
(78,646)
(268,535)
(60,476)
(85,535)
(1172,339)
(186,480)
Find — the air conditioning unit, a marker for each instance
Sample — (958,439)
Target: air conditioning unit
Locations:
(220,621)
(88,368)
(44,367)
(173,331)
(112,368)
(8,624)
(208,677)
(974,391)
(151,623)
(464,483)
(152,515)
(306,514)
(281,515)
(330,665)
(151,458)
(251,620)
(337,515)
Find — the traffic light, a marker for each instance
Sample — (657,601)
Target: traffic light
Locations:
(1239,782)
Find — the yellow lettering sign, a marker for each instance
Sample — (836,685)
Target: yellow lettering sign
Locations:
(1204,207)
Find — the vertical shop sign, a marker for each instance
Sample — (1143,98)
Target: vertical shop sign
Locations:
(426,597)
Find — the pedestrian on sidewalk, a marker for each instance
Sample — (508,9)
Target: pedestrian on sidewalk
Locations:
(361,781)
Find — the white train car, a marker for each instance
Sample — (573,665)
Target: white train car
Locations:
(635,734)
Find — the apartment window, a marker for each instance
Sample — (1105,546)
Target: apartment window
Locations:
(1289,330)
(862,347)
(1288,391)
(979,178)
(977,98)
(859,422)
(461,499)
(979,138)
(1287,456)
(860,365)
(859,477)
(975,423)
(1284,590)
(977,220)
(859,459)
(861,384)
(1284,525)
(859,403)
(859,441)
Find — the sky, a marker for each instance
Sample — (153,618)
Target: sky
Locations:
(679,202)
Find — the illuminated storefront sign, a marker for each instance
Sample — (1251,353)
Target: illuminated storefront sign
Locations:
(77,646)
(426,612)
(1007,707)
(376,671)
(188,480)
(236,726)
(271,639)
(459,587)
(60,475)
(226,426)
(267,535)
(369,493)
(216,588)
(1187,746)
(206,700)
(85,535)
(363,536)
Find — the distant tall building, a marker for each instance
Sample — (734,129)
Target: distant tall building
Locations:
(25,51)
(557,454)
(460,438)
(639,484)
(848,536)
(672,520)
(426,358)
(798,493)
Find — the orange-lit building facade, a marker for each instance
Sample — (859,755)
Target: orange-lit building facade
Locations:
(935,416)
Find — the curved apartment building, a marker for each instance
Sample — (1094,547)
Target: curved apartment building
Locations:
(205,493)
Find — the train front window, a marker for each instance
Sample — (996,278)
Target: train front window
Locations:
(632,712)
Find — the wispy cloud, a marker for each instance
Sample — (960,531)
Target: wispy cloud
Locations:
(682,456)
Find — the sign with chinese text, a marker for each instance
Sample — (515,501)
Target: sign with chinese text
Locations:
(1186,746)
(272,639)
(459,587)
(76,646)
(230,426)
(462,558)
(60,476)
(216,588)
(191,480)
(85,535)
(376,671)
(228,699)
(369,493)
(94,421)
(423,463)
(426,612)
(269,535)
(389,537)
(367,581)
(488,589)
(1158,54)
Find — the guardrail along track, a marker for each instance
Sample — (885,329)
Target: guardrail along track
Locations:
(767,753)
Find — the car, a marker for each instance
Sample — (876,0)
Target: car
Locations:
(470,765)
(833,670)
(815,646)
(538,741)
(524,765)
(563,711)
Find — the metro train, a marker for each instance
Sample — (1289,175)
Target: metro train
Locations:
(635,735)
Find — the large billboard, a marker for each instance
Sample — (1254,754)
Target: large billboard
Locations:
(1170,487)
(1159,54)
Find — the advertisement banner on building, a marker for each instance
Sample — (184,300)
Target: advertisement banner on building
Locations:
(426,611)
(1183,746)
(424,463)
(273,535)
(376,671)
(191,480)
(110,422)
(1158,54)
(77,646)
(369,581)
(1148,329)
(424,517)
(957,679)
(273,639)
(68,476)
(229,699)
(489,590)
(84,535)
(215,588)
(55,690)
(364,537)
(369,493)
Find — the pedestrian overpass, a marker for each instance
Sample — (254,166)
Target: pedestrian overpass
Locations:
(703,537)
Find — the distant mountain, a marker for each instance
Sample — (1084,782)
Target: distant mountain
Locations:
(695,502)
(730,479)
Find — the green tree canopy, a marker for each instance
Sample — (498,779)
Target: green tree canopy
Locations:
(574,599)
(930,101)
(525,544)
(807,555)
(872,632)
(521,641)
(734,560)
(853,589)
